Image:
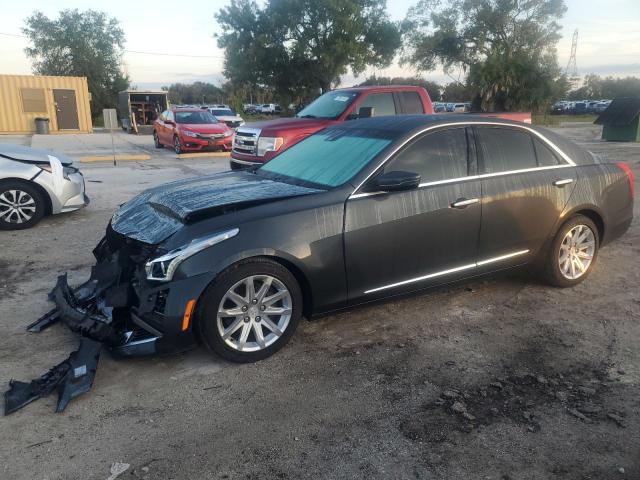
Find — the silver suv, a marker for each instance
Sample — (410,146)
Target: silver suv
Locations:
(34,183)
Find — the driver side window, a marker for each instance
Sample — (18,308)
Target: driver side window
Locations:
(382,104)
(435,156)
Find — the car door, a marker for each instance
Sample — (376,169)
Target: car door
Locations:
(525,186)
(382,104)
(169,128)
(408,240)
(160,128)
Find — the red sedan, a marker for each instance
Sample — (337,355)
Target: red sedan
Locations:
(191,129)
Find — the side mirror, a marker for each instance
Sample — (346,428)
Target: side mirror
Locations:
(366,112)
(394,182)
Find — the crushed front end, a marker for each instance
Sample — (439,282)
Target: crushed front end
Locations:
(117,308)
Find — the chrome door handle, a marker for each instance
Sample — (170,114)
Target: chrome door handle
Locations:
(464,202)
(563,182)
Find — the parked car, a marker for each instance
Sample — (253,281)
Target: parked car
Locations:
(35,183)
(227,116)
(191,129)
(270,108)
(460,108)
(355,213)
(258,142)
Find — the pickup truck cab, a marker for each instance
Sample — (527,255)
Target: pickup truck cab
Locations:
(257,143)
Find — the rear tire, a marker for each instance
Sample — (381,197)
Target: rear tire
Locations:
(573,252)
(245,323)
(21,205)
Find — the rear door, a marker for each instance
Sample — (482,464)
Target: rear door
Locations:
(66,109)
(525,185)
(402,241)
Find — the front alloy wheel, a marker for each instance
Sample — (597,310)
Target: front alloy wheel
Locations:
(21,205)
(254,313)
(177,147)
(250,311)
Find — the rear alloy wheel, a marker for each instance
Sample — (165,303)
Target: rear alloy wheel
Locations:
(156,140)
(573,252)
(177,147)
(251,311)
(21,205)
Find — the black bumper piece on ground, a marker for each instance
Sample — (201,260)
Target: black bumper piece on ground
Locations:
(71,378)
(89,312)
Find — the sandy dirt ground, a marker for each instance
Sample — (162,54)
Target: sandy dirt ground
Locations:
(501,379)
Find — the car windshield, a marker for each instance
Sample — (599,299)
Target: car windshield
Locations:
(222,112)
(328,158)
(194,118)
(329,105)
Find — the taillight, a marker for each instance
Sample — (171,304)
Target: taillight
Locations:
(627,169)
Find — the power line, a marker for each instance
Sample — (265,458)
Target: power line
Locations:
(137,52)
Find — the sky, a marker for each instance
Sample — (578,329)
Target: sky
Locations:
(608,39)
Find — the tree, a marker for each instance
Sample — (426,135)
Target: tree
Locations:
(197,92)
(86,44)
(595,87)
(507,47)
(295,46)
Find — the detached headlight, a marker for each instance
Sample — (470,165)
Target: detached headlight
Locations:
(162,268)
(189,134)
(269,144)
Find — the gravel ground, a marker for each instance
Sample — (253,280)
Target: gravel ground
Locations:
(497,379)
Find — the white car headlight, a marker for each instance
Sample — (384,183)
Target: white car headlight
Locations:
(189,134)
(269,144)
(228,133)
(162,268)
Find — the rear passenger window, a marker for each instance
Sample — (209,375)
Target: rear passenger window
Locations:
(436,156)
(381,102)
(411,103)
(546,157)
(504,149)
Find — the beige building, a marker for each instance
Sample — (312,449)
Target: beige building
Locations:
(63,100)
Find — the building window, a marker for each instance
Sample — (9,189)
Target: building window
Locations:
(33,100)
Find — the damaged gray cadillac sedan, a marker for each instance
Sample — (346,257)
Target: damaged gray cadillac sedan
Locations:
(355,213)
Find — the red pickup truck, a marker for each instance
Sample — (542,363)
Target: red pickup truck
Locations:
(257,143)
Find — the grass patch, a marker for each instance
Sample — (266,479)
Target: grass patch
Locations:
(541,119)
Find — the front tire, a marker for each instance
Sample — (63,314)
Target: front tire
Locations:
(177,147)
(250,311)
(21,205)
(156,140)
(573,252)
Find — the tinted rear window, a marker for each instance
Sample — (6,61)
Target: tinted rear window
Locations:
(504,149)
(411,103)
(546,157)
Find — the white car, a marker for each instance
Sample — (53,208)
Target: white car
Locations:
(226,115)
(34,183)
(270,108)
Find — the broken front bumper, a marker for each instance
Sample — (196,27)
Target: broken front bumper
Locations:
(117,309)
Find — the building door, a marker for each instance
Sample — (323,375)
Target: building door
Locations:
(66,109)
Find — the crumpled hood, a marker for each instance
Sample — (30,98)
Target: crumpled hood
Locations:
(159,212)
(31,155)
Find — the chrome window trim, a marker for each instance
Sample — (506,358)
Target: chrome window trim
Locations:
(450,270)
(554,147)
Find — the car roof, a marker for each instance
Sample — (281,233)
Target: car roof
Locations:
(401,127)
(368,88)
(187,109)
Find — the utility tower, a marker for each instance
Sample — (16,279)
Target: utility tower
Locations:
(572,68)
